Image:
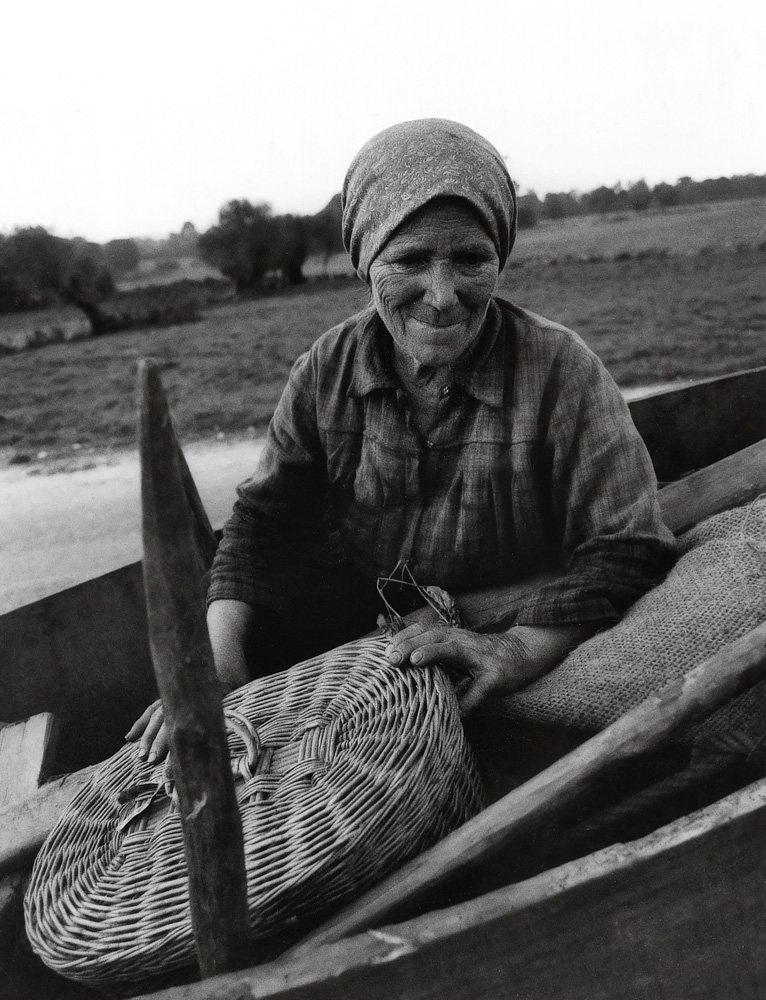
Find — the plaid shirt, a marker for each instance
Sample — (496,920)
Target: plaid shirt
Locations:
(534,465)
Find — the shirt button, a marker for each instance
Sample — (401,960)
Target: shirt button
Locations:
(446,390)
(429,443)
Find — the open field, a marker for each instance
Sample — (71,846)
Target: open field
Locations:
(656,319)
(687,229)
(651,318)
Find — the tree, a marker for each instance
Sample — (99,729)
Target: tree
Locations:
(324,229)
(86,287)
(665,195)
(45,268)
(639,196)
(560,205)
(249,242)
(530,208)
(289,247)
(602,199)
(182,244)
(121,255)
(238,245)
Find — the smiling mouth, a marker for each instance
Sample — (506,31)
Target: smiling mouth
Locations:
(439,325)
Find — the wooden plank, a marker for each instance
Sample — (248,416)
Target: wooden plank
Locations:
(733,481)
(733,669)
(616,857)
(688,428)
(26,752)
(24,825)
(82,654)
(190,692)
(677,914)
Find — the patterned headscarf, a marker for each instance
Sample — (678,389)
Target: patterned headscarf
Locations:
(397,171)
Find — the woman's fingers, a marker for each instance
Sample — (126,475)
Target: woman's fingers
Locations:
(422,645)
(142,722)
(153,733)
(161,746)
(489,663)
(413,642)
(154,742)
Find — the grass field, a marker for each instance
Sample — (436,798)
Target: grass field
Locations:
(679,231)
(693,312)
(686,229)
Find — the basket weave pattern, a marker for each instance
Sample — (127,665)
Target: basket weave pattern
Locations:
(345,767)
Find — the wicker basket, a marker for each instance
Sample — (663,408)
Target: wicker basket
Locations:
(345,767)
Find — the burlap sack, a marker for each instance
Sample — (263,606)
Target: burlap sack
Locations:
(715,593)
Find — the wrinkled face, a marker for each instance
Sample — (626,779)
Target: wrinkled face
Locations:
(432,282)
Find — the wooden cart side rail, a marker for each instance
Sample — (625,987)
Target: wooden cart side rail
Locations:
(82,654)
(691,427)
(728,483)
(679,912)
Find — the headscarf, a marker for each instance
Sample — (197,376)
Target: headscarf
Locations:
(397,171)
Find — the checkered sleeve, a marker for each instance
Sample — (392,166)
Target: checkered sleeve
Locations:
(268,534)
(614,544)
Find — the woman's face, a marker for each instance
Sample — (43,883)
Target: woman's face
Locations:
(432,282)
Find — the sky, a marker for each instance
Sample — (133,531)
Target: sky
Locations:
(122,120)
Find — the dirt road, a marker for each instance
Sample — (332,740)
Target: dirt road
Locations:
(57,530)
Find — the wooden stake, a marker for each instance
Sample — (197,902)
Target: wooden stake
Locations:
(186,679)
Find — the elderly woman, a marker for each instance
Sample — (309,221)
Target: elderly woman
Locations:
(442,426)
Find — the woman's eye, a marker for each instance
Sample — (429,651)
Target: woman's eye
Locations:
(411,260)
(470,258)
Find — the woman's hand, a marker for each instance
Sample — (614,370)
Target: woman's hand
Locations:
(151,728)
(492,665)
(228,623)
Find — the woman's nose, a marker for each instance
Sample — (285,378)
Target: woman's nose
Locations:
(441,288)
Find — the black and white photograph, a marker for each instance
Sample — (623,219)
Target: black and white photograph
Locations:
(383,500)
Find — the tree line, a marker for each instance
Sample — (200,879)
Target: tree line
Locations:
(638,197)
(251,246)
(255,249)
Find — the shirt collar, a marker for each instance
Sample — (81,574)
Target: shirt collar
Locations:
(482,375)
(372,365)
